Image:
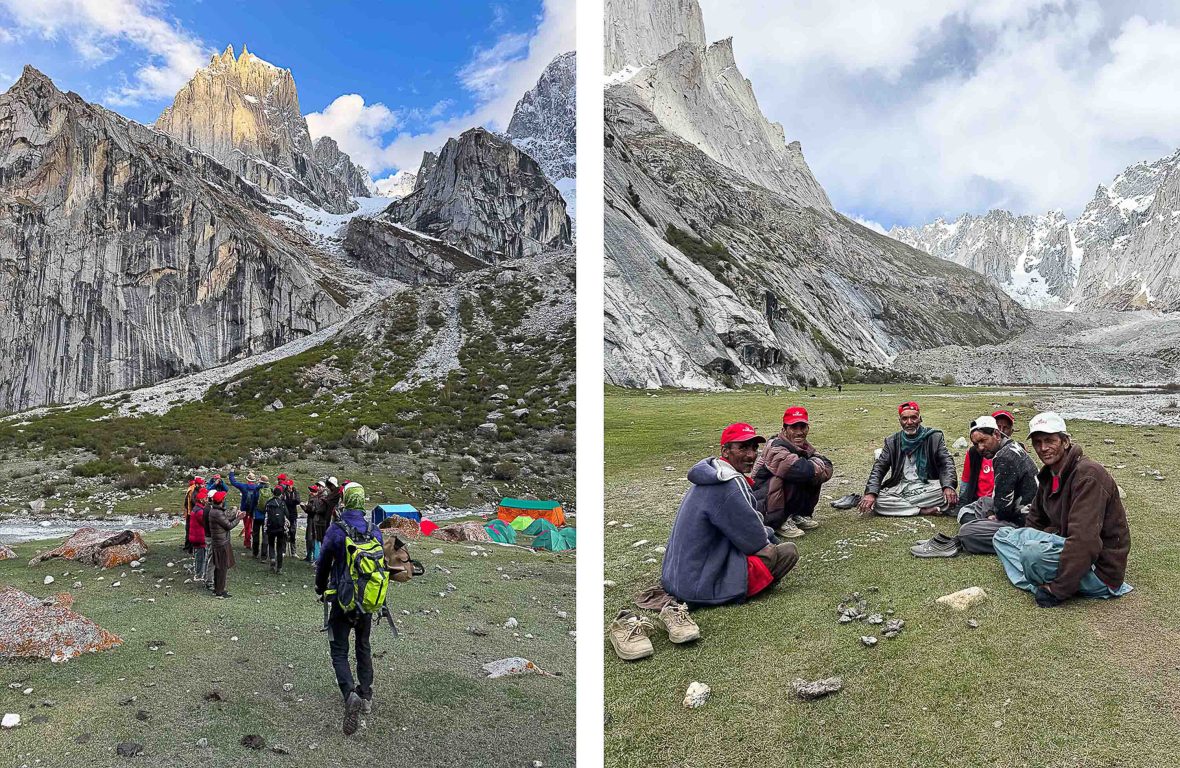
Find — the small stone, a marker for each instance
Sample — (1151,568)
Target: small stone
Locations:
(608,584)
(27,691)
(171,565)
(669,469)
(279,749)
(963,599)
(640,543)
(288,686)
(973,623)
(253,741)
(696,695)
(868,640)
(202,742)
(1108,441)
(11,720)
(998,723)
(893,628)
(612,523)
(876,618)
(436,551)
(48,580)
(511,623)
(77,585)
(116,584)
(235,637)
(128,748)
(817,689)
(142,716)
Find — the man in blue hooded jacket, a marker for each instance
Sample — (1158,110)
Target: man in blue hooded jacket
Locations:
(720,551)
(250,491)
(330,569)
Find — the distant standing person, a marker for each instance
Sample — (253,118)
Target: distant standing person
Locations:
(309,508)
(291,499)
(196,532)
(914,474)
(1076,540)
(251,512)
(221,522)
(332,570)
(275,514)
(190,495)
(788,477)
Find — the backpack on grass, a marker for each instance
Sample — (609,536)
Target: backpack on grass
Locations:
(397,559)
(366,580)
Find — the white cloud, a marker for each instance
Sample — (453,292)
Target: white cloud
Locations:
(97,30)
(912,109)
(873,225)
(497,76)
(356,127)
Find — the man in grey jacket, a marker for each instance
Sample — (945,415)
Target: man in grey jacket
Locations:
(921,477)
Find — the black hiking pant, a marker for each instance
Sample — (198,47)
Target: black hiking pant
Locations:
(340,625)
(276,543)
(292,528)
(308,538)
(802,502)
(256,540)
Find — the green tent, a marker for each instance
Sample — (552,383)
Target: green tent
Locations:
(501,532)
(539,526)
(522,522)
(557,540)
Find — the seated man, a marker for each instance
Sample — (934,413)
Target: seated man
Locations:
(921,477)
(1015,485)
(788,477)
(719,550)
(1077,539)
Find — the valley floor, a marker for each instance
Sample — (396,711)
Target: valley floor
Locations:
(433,705)
(1091,684)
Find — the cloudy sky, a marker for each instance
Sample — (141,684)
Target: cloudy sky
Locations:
(387,80)
(909,110)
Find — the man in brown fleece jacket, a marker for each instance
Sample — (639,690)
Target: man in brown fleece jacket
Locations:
(1077,540)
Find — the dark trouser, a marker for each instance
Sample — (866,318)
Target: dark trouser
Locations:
(781,560)
(308,538)
(340,625)
(256,542)
(198,563)
(276,542)
(292,528)
(976,530)
(802,502)
(219,574)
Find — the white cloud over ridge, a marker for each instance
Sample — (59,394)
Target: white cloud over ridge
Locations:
(910,110)
(497,76)
(96,29)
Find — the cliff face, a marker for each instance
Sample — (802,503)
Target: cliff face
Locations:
(127,258)
(338,164)
(244,112)
(544,124)
(640,31)
(725,263)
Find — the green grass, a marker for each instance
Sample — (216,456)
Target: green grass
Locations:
(433,706)
(1092,684)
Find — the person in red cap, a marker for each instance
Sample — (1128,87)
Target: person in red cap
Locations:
(788,477)
(719,550)
(914,474)
(221,522)
(190,497)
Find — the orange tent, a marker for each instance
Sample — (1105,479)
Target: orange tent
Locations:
(510,509)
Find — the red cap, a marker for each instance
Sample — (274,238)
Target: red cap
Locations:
(198,479)
(740,433)
(282,475)
(998,414)
(218,497)
(202,493)
(910,406)
(795,415)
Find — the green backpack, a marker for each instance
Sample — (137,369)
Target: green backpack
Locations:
(366,579)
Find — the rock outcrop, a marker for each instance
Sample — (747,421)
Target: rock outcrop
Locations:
(479,202)
(328,156)
(31,628)
(725,261)
(1119,254)
(544,123)
(640,31)
(107,549)
(244,112)
(127,258)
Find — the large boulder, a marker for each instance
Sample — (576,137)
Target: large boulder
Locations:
(47,629)
(107,549)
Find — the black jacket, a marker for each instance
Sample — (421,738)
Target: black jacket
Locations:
(939,464)
(1016,481)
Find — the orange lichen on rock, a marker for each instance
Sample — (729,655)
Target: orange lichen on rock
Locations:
(6,552)
(468,531)
(47,629)
(90,545)
(403,526)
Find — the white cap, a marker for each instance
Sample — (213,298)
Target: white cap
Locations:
(985,422)
(1049,422)
(332,481)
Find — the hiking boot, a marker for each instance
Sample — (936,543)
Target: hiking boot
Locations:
(352,713)
(804,523)
(846,502)
(629,635)
(222,595)
(789,530)
(681,628)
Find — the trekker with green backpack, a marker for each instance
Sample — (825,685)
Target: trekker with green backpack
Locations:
(351,573)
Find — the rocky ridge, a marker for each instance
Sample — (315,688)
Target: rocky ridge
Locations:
(127,258)
(1115,255)
(640,31)
(544,122)
(244,112)
(705,271)
(338,164)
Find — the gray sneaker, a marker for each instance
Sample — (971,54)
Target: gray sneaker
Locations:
(846,502)
(681,628)
(789,530)
(629,634)
(804,523)
(938,546)
(352,713)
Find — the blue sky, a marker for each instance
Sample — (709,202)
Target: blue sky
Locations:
(386,79)
(908,110)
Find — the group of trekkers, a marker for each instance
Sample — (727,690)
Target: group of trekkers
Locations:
(335,514)
(1058,533)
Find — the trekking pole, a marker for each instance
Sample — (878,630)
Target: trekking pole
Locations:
(389,619)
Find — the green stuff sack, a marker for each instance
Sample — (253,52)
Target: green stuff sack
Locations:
(363,591)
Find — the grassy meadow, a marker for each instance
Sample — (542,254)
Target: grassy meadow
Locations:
(432,703)
(1093,684)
